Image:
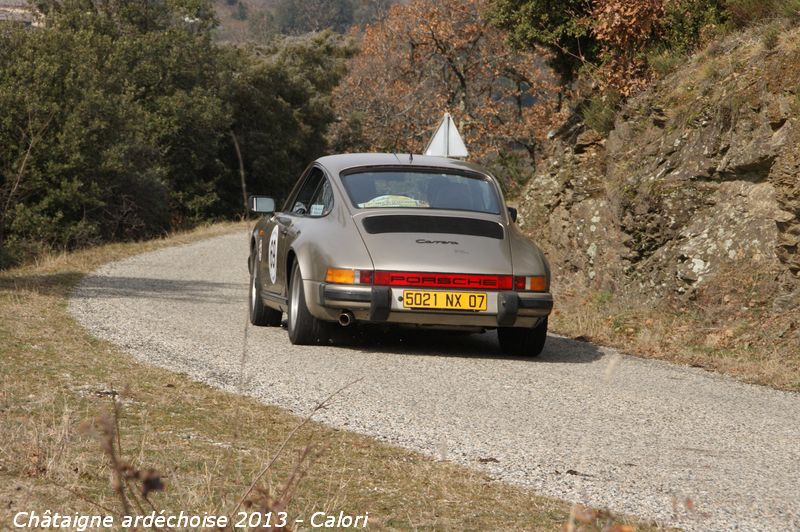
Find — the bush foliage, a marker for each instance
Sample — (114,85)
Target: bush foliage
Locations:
(119,120)
(599,112)
(427,57)
(614,40)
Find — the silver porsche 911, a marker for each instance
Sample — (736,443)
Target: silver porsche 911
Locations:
(397,240)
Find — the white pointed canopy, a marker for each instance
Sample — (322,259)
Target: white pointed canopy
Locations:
(446,142)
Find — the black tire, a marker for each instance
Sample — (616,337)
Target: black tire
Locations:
(520,342)
(260,314)
(303,328)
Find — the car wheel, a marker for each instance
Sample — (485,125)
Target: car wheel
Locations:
(304,329)
(260,314)
(520,342)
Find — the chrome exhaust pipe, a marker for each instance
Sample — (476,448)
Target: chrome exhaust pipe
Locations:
(346,318)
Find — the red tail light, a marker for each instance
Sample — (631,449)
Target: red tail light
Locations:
(444,280)
(365,276)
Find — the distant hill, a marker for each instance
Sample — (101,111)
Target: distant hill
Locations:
(16,11)
(260,20)
(236,18)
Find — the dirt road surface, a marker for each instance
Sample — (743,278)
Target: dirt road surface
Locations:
(580,423)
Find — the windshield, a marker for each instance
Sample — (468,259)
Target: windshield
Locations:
(421,190)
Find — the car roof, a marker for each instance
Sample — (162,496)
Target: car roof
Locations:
(336,164)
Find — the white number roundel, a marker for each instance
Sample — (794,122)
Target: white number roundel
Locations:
(272,255)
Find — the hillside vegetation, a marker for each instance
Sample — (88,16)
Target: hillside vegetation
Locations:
(677,235)
(124,120)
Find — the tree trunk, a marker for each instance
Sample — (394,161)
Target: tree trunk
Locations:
(241,170)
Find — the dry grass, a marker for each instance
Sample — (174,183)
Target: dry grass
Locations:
(60,387)
(731,326)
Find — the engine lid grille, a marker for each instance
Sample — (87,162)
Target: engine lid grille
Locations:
(399,223)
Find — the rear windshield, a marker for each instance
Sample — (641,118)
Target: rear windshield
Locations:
(421,190)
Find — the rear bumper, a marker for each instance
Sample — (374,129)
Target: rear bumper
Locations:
(380,304)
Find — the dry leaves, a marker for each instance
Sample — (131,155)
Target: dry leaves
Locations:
(428,57)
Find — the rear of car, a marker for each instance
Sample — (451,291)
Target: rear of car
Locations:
(443,251)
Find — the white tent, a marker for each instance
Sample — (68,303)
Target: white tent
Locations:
(446,142)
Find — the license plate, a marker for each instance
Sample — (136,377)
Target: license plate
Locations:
(423,299)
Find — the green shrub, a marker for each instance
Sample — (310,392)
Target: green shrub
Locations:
(514,168)
(789,9)
(599,112)
(770,37)
(665,61)
(688,24)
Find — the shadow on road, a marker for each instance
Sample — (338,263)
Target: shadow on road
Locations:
(94,286)
(46,284)
(459,344)
(411,342)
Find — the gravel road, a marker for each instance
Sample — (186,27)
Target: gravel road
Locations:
(579,423)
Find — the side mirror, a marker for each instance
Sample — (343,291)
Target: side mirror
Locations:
(513,213)
(262,204)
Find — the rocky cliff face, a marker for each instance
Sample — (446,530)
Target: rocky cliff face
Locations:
(696,188)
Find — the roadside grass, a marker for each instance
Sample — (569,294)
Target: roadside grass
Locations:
(58,385)
(731,327)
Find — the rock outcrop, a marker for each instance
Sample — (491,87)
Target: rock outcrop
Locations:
(698,183)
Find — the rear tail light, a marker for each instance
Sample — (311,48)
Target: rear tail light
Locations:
(444,280)
(346,276)
(536,283)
